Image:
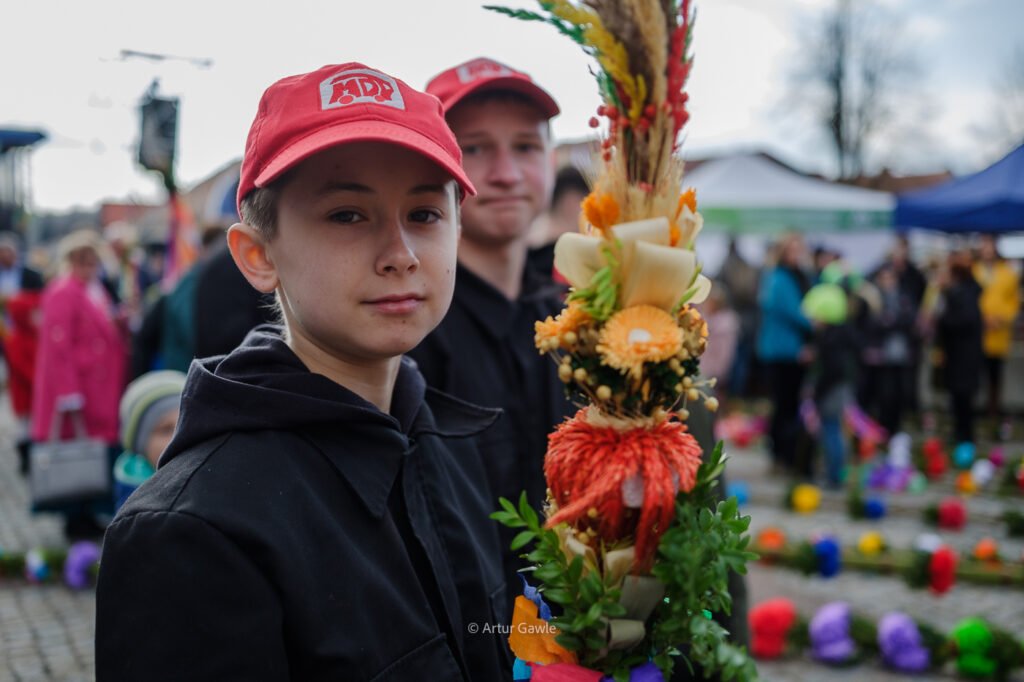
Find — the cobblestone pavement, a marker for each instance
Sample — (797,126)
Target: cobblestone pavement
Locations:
(46,632)
(900,527)
(873,595)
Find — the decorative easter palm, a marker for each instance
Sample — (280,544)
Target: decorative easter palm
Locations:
(635,547)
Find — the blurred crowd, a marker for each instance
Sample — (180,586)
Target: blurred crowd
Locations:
(96,340)
(102,331)
(845,357)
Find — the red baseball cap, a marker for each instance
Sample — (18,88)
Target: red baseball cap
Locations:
(301,115)
(478,75)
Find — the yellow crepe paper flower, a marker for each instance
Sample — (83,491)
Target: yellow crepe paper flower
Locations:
(551,332)
(637,335)
(651,271)
(871,543)
(806,498)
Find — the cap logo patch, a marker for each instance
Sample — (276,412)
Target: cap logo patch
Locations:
(360,86)
(482,68)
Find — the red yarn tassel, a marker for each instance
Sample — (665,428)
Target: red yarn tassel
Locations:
(586,466)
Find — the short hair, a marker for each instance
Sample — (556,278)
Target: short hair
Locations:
(568,179)
(259,209)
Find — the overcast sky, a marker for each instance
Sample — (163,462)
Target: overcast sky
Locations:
(62,73)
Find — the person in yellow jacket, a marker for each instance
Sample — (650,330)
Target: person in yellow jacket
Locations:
(1000,303)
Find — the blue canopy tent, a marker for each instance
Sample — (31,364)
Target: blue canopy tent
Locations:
(14,182)
(10,139)
(991,200)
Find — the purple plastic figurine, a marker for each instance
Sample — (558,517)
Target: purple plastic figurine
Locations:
(81,557)
(900,643)
(830,633)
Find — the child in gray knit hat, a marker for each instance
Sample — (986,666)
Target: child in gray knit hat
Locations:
(148,413)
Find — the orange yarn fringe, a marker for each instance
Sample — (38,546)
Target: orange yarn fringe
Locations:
(586,465)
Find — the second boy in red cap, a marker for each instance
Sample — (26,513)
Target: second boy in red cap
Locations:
(483,351)
(319,514)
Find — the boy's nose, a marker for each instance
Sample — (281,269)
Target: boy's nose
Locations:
(504,169)
(396,255)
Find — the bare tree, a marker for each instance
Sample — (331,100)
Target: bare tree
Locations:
(852,77)
(1006,129)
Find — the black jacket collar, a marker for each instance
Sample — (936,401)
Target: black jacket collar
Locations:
(263,385)
(491,309)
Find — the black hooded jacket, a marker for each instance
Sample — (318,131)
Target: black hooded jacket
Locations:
(483,352)
(295,532)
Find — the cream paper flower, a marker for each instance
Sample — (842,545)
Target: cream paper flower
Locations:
(651,270)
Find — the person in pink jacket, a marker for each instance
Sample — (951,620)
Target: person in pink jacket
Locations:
(82,357)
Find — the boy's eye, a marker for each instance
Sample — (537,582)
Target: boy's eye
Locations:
(528,147)
(425,215)
(345,216)
(471,149)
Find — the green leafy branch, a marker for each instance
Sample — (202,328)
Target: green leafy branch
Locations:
(697,553)
(587,600)
(706,541)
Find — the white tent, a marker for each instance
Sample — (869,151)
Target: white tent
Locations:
(756,199)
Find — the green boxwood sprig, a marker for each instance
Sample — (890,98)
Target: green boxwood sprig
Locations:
(697,553)
(705,542)
(587,601)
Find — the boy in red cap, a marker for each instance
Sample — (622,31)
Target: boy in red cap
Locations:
(318,514)
(483,351)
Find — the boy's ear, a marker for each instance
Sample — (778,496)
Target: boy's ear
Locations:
(249,252)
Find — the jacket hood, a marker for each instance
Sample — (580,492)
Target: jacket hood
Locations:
(263,385)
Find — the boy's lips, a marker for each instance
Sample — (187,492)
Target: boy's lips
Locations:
(398,304)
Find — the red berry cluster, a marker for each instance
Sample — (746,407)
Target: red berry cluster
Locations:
(616,122)
(679,70)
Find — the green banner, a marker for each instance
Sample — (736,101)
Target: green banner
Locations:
(776,220)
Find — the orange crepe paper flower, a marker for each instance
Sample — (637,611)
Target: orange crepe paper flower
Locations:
(601,211)
(686,199)
(533,639)
(772,538)
(637,335)
(987,549)
(553,329)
